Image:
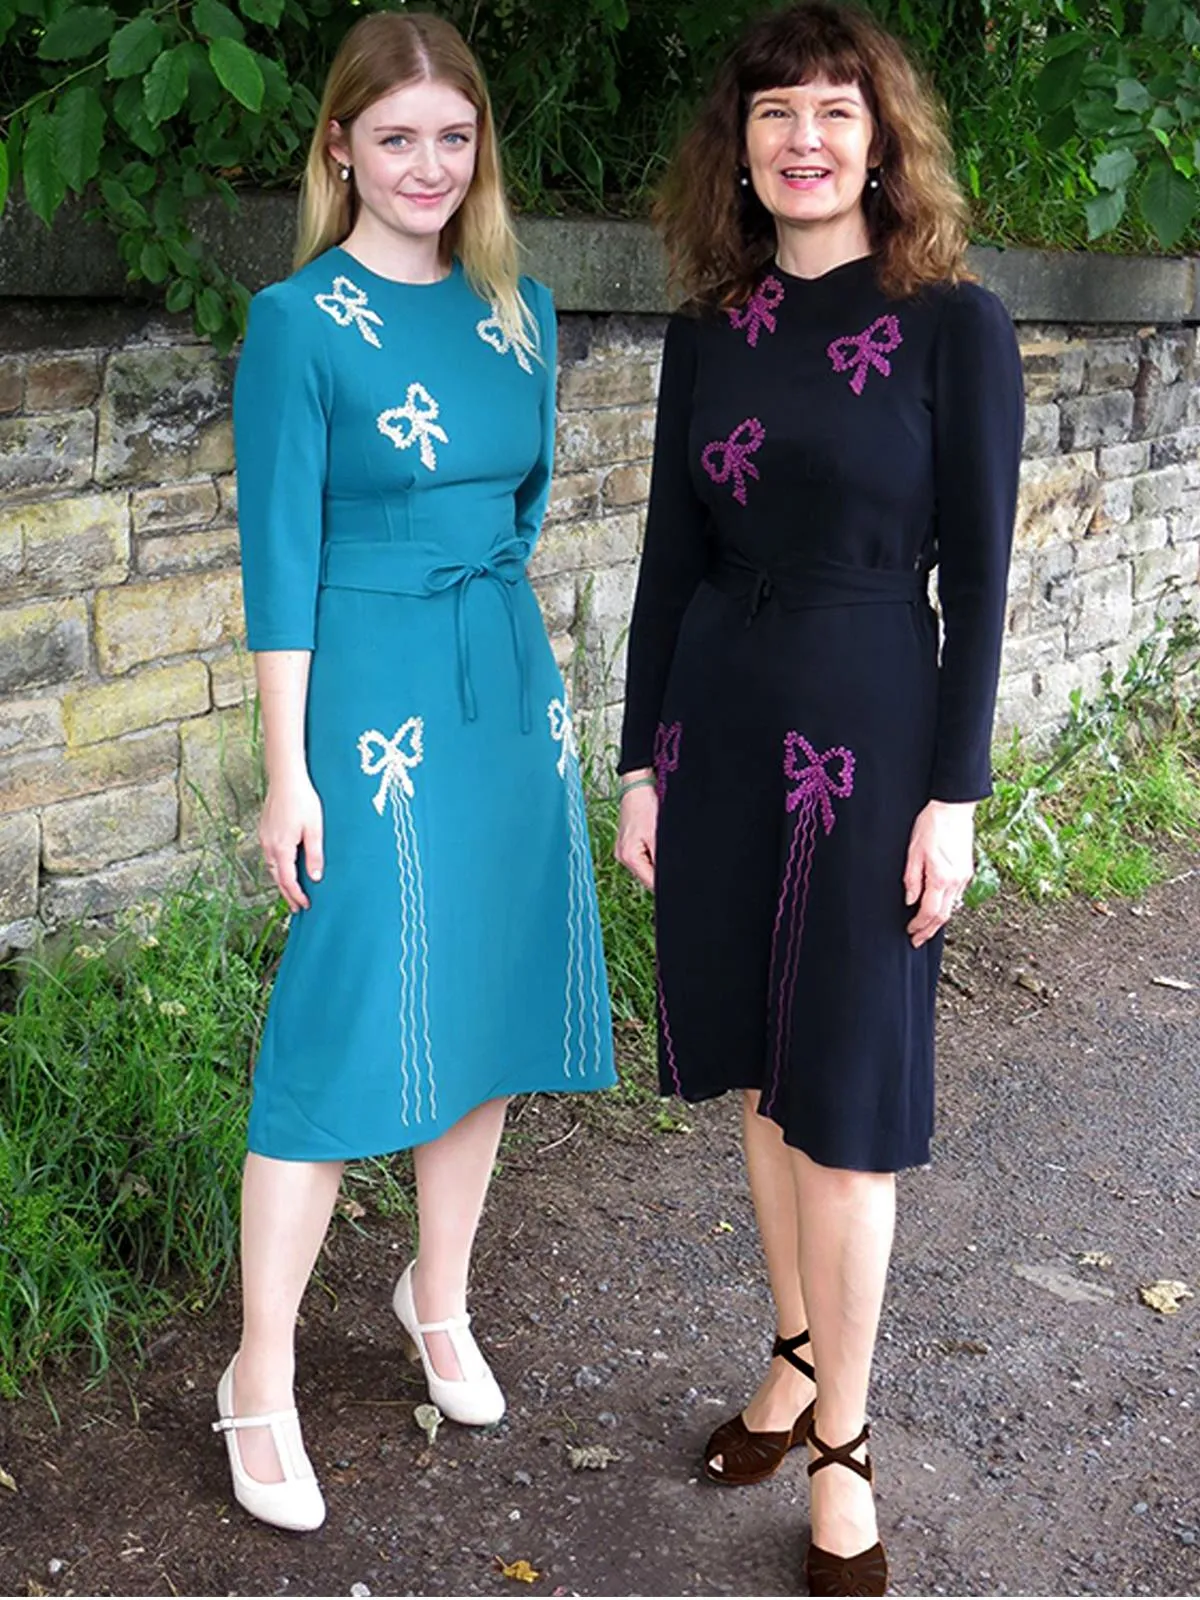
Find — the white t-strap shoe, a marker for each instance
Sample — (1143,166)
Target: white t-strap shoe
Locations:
(297,1503)
(475,1398)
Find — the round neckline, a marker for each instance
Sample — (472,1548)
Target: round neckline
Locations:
(843,269)
(399,283)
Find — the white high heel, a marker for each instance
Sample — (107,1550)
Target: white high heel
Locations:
(476,1398)
(297,1503)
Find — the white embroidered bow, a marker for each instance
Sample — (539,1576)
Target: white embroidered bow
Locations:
(414,421)
(348,304)
(491,331)
(392,757)
(562,731)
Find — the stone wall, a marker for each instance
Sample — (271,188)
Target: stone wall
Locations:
(126,713)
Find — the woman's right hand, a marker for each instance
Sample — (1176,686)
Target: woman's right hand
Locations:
(292,819)
(638,830)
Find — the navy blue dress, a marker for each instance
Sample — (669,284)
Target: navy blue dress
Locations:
(819,450)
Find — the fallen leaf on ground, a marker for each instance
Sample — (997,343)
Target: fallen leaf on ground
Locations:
(428,1419)
(1102,908)
(1182,984)
(591,1457)
(723,1227)
(520,1571)
(1165,1296)
(1095,1258)
(7,1481)
(348,1206)
(1035,985)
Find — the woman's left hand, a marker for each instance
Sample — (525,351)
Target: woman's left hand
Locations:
(941,860)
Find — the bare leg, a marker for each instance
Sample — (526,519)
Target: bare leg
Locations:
(784,1392)
(453,1174)
(845,1245)
(286,1206)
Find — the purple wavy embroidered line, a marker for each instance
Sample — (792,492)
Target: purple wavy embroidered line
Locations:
(857,353)
(666,761)
(758,312)
(817,780)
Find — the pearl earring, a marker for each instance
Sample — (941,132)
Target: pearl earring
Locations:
(344,174)
(873,177)
(744,179)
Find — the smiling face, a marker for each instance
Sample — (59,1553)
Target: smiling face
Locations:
(808,148)
(413,157)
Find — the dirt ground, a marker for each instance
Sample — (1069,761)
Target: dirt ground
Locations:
(1037,1429)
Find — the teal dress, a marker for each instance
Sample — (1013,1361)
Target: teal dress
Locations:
(394,460)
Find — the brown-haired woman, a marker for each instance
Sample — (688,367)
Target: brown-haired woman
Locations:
(394,421)
(840,411)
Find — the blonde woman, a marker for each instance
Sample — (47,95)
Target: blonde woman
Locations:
(840,412)
(394,416)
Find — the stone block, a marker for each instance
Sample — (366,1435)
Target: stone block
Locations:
(605,601)
(1160,409)
(1031,650)
(557,598)
(233,681)
(164,414)
(43,642)
(166,617)
(604,438)
(1101,609)
(615,378)
(1182,448)
(1042,426)
(1115,505)
(589,546)
(101,893)
(1173,565)
(1124,460)
(82,835)
(1156,493)
(62,383)
(12,384)
(1144,533)
(18,868)
(573,495)
(54,452)
(141,700)
(175,505)
(1099,550)
(71,543)
(1183,520)
(1059,496)
(12,549)
(227,490)
(627,486)
(1019,707)
(1097,419)
(204,550)
(1055,684)
(1111,364)
(1054,368)
(219,777)
(31,724)
(1168,356)
(43,777)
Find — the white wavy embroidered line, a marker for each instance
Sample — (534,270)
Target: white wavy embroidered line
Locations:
(582,931)
(405,1035)
(589,922)
(421,958)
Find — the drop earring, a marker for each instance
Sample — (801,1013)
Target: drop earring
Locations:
(873,176)
(744,177)
(344,173)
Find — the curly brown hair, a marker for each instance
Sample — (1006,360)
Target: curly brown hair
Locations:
(718,234)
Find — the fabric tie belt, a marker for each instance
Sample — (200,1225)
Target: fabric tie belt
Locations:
(804,586)
(426,569)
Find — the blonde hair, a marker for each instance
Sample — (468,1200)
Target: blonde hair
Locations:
(387,51)
(718,235)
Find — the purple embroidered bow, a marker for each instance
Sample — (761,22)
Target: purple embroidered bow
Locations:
(859,352)
(815,781)
(756,314)
(666,753)
(730,458)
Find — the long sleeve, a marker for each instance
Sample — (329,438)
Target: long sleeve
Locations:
(534,492)
(281,401)
(674,554)
(978,424)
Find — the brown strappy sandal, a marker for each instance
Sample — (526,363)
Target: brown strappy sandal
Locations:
(863,1574)
(752,1457)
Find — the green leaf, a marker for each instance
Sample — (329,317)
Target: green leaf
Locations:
(193,184)
(138,177)
(166,86)
(153,262)
(3,175)
(1059,79)
(205,95)
(179,295)
(215,21)
(1056,130)
(1062,44)
(45,187)
(1161,18)
(1104,212)
(210,310)
(168,208)
(267,11)
(1168,202)
(1191,27)
(1132,95)
(130,112)
(77,32)
(238,69)
(133,47)
(129,212)
(277,89)
(1114,169)
(78,135)
(182,259)
(1162,117)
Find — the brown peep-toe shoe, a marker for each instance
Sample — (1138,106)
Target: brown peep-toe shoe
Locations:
(863,1574)
(750,1457)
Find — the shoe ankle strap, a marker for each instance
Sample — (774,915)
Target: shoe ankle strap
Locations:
(786,1348)
(268,1419)
(447,1324)
(840,1455)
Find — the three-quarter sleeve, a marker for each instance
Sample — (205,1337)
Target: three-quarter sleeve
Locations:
(534,491)
(674,553)
(281,400)
(978,425)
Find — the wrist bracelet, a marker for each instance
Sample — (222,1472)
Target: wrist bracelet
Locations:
(638,783)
